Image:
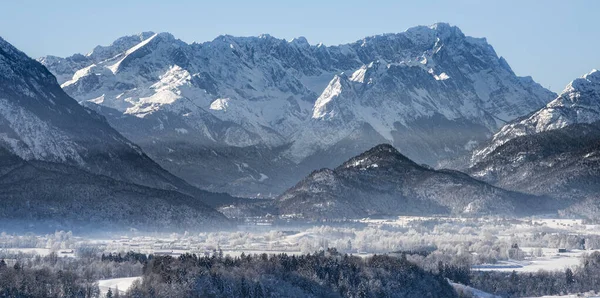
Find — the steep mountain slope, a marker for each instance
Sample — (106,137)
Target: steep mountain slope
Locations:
(578,103)
(39,121)
(381,181)
(55,151)
(563,163)
(256,107)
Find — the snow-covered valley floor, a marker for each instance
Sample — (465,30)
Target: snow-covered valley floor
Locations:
(486,244)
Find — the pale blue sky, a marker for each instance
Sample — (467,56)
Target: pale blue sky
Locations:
(553,41)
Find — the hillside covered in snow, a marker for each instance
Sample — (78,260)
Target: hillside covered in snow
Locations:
(383,182)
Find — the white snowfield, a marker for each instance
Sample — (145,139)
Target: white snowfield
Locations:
(120,284)
(551,261)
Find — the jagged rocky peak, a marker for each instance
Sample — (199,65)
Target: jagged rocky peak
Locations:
(232,43)
(300,41)
(380,156)
(416,44)
(581,95)
(428,35)
(119,45)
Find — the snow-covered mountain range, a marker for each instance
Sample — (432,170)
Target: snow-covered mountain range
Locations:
(252,115)
(58,157)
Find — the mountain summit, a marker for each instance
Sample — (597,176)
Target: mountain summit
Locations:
(384,155)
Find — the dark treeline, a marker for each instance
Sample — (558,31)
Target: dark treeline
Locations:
(128,257)
(324,274)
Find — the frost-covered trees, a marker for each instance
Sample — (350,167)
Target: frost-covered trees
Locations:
(19,281)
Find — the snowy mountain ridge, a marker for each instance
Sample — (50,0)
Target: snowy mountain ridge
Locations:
(578,103)
(295,102)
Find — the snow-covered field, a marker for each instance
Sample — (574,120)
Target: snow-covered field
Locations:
(488,241)
(40,251)
(550,261)
(116,284)
(548,264)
